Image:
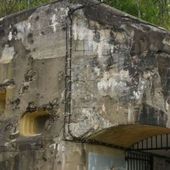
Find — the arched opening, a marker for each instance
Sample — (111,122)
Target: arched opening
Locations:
(2,101)
(145,147)
(34,123)
(126,135)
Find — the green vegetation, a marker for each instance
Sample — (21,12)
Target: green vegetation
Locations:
(154,11)
(11,6)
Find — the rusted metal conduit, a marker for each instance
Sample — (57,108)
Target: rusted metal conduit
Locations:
(68,67)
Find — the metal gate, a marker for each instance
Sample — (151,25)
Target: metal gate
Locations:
(139,161)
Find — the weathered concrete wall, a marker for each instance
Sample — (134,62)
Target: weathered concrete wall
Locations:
(32,50)
(119,75)
(32,62)
(82,156)
(63,156)
(120,66)
(120,71)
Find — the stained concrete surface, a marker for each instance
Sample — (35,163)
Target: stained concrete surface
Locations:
(118,75)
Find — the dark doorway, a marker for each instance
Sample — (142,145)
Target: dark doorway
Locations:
(139,161)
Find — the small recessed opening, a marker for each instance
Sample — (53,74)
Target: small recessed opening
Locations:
(2,101)
(33,123)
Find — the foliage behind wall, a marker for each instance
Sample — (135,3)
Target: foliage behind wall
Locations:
(154,11)
(11,6)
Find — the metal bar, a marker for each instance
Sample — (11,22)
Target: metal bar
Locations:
(128,168)
(139,162)
(131,166)
(161,141)
(151,142)
(142,144)
(133,162)
(143,163)
(136,159)
(151,162)
(166,140)
(137,145)
(150,149)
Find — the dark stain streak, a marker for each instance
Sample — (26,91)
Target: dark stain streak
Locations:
(152,116)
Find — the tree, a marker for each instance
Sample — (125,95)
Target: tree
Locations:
(7,7)
(11,6)
(154,11)
(138,2)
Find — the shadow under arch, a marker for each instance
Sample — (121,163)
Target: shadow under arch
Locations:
(125,136)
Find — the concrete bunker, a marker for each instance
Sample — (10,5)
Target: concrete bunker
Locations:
(33,123)
(2,100)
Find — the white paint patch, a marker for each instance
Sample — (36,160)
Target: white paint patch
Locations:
(7,54)
(7,143)
(90,120)
(141,88)
(63,148)
(97,70)
(16,132)
(93,120)
(167,106)
(54,22)
(81,32)
(62,9)
(23,29)
(1,19)
(114,84)
(130,113)
(103,108)
(10,36)
(138,27)
(166,41)
(66,12)
(136,95)
(53,146)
